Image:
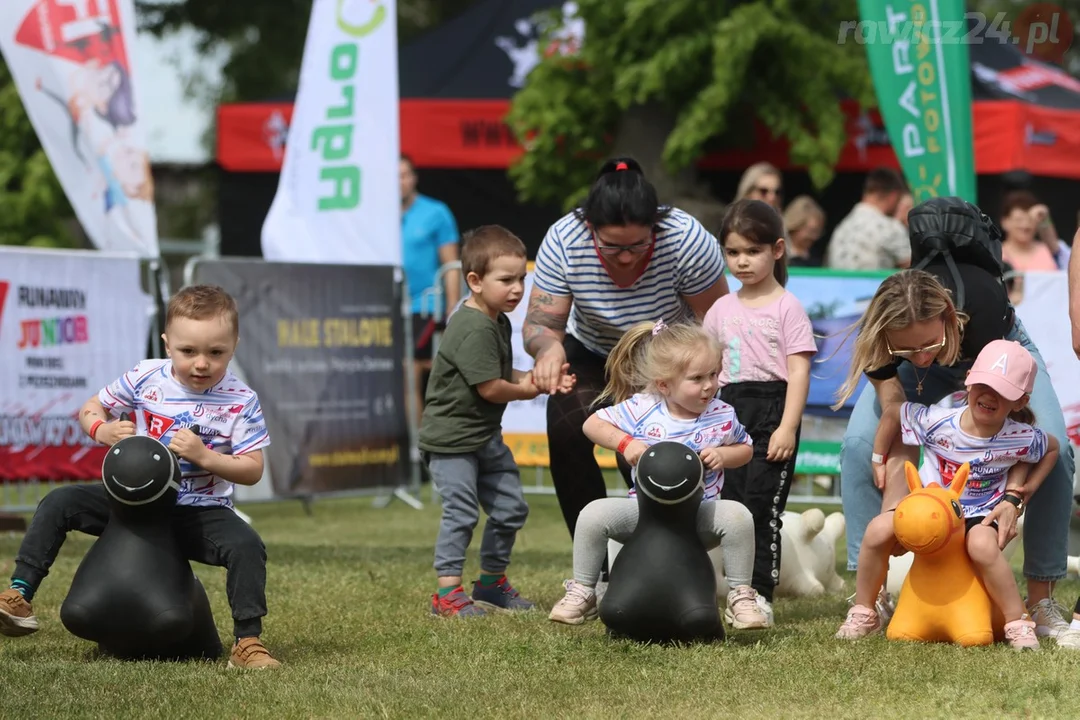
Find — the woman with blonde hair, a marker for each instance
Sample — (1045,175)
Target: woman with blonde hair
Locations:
(914,345)
(761,181)
(805,221)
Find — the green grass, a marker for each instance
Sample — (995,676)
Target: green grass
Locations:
(349,588)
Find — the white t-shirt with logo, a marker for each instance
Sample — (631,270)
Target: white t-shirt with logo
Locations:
(645,417)
(228,415)
(947,447)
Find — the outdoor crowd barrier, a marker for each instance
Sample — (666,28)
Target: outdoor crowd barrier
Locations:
(71,321)
(326,347)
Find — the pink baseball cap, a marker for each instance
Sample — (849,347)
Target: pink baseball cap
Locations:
(1007,367)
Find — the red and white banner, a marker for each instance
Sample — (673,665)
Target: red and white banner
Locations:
(441,133)
(70,323)
(71,63)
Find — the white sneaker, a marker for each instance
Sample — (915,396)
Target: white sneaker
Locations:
(744,611)
(1048,620)
(1070,639)
(766,610)
(577,606)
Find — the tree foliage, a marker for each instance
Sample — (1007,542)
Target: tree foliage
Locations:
(33,208)
(264,39)
(714,65)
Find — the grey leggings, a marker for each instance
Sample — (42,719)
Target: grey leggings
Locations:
(722,523)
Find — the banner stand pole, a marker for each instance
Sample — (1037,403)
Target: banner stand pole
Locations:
(405,493)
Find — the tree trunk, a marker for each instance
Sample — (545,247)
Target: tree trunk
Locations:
(642,133)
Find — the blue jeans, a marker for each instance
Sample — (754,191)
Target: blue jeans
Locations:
(1046,524)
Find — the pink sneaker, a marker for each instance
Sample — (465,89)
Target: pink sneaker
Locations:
(745,609)
(1021,634)
(577,606)
(861,621)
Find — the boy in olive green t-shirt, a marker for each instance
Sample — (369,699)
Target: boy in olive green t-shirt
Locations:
(472,380)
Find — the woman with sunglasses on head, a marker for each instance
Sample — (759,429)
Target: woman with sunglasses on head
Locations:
(762,181)
(619,259)
(914,345)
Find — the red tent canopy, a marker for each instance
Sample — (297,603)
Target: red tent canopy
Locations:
(435,133)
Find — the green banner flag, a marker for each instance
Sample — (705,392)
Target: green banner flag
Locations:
(919,61)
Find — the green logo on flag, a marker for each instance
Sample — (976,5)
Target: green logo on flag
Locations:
(359,30)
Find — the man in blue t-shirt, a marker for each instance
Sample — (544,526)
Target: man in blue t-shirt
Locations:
(429,239)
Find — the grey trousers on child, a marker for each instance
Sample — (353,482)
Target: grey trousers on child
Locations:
(486,478)
(722,523)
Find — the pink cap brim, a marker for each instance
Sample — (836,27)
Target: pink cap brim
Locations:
(1003,387)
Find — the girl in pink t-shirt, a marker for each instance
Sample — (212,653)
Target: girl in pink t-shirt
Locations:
(765,375)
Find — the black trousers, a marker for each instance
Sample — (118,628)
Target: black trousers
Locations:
(575,473)
(209,535)
(760,485)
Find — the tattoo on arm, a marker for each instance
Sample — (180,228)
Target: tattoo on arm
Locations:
(545,318)
(542,314)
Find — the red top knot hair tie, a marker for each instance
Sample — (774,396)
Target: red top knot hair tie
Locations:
(622,166)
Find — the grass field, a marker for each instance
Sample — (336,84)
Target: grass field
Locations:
(349,588)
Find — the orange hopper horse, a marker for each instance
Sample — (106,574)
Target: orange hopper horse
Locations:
(943,599)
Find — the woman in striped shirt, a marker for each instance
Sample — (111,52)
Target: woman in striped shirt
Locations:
(619,259)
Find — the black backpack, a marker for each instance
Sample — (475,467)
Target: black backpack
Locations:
(957,232)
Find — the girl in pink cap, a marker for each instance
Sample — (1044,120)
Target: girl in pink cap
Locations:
(993,432)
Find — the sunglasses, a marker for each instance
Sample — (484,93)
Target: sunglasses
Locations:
(608,249)
(777,192)
(917,351)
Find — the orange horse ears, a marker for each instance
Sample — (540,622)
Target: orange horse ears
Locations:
(914,482)
(960,479)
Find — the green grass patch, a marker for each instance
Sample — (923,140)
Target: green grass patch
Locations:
(349,591)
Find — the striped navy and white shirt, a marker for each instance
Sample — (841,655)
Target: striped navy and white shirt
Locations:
(686,260)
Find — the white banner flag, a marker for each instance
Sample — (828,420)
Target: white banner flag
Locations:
(71,63)
(70,323)
(338,198)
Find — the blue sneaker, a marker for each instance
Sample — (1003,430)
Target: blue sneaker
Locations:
(455,604)
(500,596)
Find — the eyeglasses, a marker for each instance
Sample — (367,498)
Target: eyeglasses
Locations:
(777,192)
(917,351)
(605,248)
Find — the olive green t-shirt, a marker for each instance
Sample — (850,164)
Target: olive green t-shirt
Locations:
(474,349)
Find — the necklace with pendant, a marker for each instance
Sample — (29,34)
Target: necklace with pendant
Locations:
(919,380)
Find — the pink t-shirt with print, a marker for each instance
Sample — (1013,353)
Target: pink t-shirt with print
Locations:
(758,340)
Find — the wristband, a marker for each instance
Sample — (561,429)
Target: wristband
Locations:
(93,428)
(1013,500)
(625,444)
(877,459)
